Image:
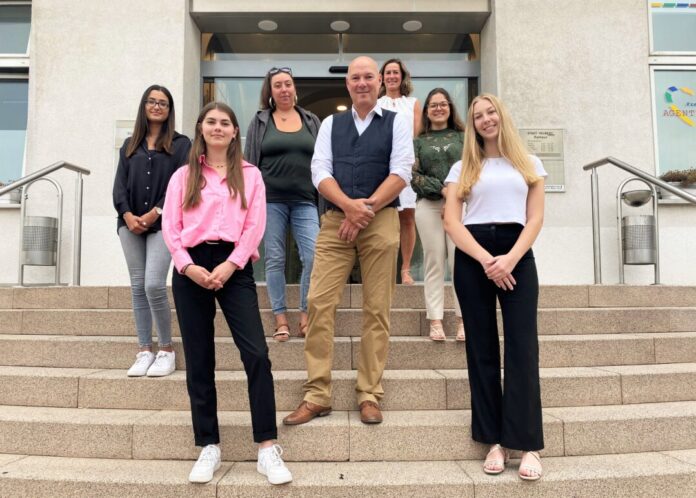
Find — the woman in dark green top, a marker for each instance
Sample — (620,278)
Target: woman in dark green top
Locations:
(437,148)
(280,141)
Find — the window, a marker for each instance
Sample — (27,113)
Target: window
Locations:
(15,27)
(15,24)
(673,27)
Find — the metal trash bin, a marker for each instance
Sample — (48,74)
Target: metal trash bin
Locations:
(638,236)
(40,241)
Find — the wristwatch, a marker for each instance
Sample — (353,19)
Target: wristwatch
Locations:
(158,210)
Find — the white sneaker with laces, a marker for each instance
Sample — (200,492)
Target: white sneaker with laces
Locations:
(272,466)
(143,360)
(206,465)
(163,365)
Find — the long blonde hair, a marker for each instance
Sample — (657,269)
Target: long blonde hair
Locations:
(235,177)
(509,144)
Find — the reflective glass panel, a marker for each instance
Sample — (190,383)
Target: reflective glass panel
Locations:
(674,27)
(15,22)
(13,127)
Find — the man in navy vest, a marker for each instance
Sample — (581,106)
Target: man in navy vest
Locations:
(362,160)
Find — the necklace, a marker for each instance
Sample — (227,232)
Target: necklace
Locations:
(219,166)
(283,119)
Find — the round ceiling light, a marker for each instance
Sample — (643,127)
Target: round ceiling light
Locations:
(341,108)
(412,25)
(340,26)
(267,25)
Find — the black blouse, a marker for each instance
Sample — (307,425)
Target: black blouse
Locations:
(141,179)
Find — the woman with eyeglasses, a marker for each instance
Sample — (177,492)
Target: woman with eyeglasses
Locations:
(147,160)
(213,222)
(280,141)
(395,96)
(503,188)
(437,148)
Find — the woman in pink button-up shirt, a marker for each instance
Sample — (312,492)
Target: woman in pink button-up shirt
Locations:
(213,221)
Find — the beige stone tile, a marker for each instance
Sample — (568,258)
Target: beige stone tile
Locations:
(56,477)
(644,296)
(67,431)
(675,348)
(6,297)
(687,456)
(683,320)
(595,350)
(657,383)
(79,322)
(407,353)
(563,296)
(30,386)
(628,428)
(169,435)
(7,459)
(353,479)
(641,475)
(11,321)
(61,297)
(613,320)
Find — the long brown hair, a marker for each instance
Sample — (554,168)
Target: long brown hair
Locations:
(166,134)
(510,145)
(266,93)
(235,177)
(453,121)
(406,86)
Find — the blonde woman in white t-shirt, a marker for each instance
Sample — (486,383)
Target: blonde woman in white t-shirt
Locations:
(503,188)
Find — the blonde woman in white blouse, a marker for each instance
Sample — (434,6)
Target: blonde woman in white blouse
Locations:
(503,188)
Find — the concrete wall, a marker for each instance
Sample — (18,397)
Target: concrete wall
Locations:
(583,67)
(90,63)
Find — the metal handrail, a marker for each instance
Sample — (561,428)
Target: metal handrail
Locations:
(77,227)
(596,245)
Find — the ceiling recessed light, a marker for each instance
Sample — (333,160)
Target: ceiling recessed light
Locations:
(412,25)
(267,25)
(341,108)
(340,26)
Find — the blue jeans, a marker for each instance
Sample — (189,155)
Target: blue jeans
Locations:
(304,223)
(148,261)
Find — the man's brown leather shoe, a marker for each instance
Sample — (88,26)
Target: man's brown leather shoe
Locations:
(306,412)
(370,413)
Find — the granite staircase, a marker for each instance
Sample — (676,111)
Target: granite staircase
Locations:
(618,377)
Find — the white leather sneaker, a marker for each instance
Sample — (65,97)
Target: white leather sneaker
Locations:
(206,465)
(143,360)
(272,466)
(163,365)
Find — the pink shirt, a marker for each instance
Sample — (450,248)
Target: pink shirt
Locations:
(216,217)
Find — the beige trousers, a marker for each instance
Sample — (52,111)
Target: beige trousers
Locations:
(376,248)
(438,251)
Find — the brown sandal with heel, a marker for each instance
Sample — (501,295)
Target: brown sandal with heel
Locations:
(282,333)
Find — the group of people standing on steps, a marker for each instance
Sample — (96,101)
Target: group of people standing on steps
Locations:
(474,192)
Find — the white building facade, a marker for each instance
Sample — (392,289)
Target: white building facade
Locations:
(584,80)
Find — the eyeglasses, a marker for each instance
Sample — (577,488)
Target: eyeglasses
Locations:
(275,70)
(438,105)
(163,104)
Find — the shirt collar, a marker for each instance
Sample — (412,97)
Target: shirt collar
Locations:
(376,110)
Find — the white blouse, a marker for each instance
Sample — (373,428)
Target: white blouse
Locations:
(499,195)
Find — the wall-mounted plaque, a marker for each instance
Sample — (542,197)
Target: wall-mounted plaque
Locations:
(547,145)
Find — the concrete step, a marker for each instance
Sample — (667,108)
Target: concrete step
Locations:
(404,389)
(551,296)
(403,436)
(629,475)
(405,353)
(404,322)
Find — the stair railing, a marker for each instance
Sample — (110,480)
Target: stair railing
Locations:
(77,227)
(596,243)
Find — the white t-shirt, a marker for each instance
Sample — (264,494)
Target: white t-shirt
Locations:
(499,195)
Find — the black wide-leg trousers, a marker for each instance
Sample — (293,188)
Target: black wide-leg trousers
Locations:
(195,310)
(511,415)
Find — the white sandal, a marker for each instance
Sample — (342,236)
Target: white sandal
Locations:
(535,470)
(497,464)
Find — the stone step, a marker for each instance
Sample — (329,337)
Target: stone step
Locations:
(403,436)
(404,322)
(404,389)
(551,296)
(405,353)
(628,475)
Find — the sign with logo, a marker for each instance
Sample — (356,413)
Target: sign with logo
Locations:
(547,145)
(675,118)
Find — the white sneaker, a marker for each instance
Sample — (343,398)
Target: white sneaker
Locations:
(163,365)
(206,465)
(143,360)
(272,466)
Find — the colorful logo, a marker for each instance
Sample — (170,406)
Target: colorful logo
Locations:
(683,115)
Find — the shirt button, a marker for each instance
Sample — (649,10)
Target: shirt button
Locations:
(146,203)
(148,172)
(147,188)
(149,158)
